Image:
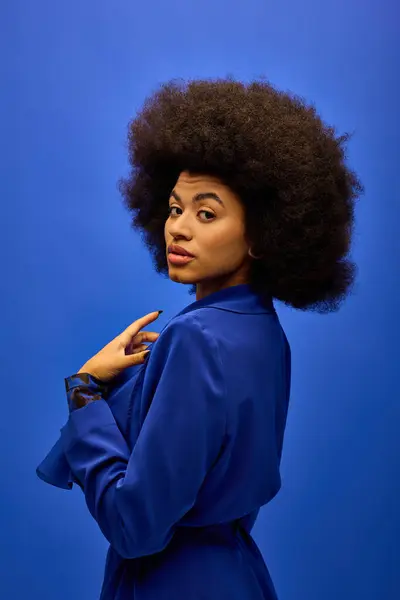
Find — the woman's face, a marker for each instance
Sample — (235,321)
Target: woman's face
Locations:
(210,228)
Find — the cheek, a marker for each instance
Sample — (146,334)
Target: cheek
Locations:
(229,236)
(227,245)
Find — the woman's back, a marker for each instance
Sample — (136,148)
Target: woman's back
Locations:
(198,431)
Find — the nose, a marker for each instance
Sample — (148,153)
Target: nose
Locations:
(178,228)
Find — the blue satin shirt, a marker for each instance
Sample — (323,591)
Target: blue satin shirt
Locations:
(176,456)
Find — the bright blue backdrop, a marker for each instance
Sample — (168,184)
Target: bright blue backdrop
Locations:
(74,274)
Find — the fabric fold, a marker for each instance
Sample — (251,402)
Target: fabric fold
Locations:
(54,468)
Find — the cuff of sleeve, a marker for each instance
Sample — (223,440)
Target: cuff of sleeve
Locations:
(81,423)
(82,389)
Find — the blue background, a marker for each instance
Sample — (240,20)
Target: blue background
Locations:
(74,274)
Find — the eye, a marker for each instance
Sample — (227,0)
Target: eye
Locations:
(208,212)
(171,208)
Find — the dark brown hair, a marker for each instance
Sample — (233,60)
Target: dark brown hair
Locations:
(272,149)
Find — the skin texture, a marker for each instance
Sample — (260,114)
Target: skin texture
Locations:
(215,234)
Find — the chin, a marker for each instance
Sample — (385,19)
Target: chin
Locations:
(181,277)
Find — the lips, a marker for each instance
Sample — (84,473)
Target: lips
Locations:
(178,250)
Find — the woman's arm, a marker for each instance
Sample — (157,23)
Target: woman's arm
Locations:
(137,498)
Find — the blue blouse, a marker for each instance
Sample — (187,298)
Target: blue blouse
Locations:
(176,456)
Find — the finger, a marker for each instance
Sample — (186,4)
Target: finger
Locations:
(135,349)
(136,326)
(145,336)
(135,359)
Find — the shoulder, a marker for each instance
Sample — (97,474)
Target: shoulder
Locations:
(187,340)
(186,330)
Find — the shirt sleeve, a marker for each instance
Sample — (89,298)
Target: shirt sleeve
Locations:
(83,388)
(138,497)
(54,468)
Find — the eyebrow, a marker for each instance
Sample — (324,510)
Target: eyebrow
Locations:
(199,197)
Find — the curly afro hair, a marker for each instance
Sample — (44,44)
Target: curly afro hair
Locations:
(272,149)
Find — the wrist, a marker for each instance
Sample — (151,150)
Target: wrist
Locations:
(83,388)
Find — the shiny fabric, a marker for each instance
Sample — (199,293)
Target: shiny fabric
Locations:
(175,457)
(83,388)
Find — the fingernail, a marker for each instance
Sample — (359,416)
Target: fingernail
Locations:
(160,311)
(146,355)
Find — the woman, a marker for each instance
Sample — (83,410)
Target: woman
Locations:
(242,192)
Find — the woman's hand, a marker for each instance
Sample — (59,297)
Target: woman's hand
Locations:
(124,351)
